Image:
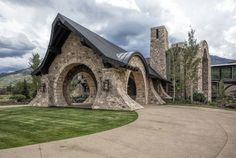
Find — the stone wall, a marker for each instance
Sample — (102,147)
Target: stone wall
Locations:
(153,96)
(72,55)
(115,98)
(42,97)
(159,45)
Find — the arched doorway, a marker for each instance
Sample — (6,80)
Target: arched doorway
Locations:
(205,73)
(136,87)
(79,86)
(131,90)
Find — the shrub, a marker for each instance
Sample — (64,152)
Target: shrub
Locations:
(18,97)
(199,97)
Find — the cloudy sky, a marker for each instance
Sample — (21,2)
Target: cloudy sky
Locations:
(25,25)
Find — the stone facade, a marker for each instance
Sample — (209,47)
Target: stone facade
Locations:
(111,86)
(159,45)
(77,58)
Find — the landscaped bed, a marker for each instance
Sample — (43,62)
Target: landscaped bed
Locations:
(30,125)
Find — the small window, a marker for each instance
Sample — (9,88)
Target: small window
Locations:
(106,85)
(226,73)
(234,72)
(43,87)
(157,33)
(215,73)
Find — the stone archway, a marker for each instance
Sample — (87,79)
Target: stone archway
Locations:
(137,78)
(136,87)
(61,84)
(87,75)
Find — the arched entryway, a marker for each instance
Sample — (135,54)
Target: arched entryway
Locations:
(136,87)
(205,72)
(79,85)
(131,90)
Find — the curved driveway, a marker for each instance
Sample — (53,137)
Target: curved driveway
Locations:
(160,131)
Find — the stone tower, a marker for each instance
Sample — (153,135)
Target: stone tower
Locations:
(159,44)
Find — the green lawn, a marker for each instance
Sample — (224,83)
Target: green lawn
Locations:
(31,125)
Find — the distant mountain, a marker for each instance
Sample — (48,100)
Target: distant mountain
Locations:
(219,60)
(13,77)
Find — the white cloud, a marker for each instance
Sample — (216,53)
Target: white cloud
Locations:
(126,4)
(124,22)
(226,6)
(230,35)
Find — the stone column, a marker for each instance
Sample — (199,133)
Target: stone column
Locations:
(159,45)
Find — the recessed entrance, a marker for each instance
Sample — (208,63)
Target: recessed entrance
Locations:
(131,87)
(80,86)
(136,87)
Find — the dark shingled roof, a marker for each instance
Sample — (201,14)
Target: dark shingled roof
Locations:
(110,53)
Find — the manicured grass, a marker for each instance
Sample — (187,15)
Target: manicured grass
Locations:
(31,125)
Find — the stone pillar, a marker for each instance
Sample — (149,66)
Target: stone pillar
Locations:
(159,45)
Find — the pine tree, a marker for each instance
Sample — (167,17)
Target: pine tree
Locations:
(25,90)
(34,63)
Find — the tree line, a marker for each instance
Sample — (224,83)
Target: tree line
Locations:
(24,91)
(182,69)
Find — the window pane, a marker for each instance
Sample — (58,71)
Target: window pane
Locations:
(226,72)
(234,72)
(215,73)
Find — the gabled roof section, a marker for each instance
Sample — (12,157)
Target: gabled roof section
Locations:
(104,46)
(110,53)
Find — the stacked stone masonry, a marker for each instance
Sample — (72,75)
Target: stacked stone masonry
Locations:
(74,54)
(109,84)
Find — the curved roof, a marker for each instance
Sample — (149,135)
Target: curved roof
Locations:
(110,53)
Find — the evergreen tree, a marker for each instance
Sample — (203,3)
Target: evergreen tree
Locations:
(34,63)
(25,90)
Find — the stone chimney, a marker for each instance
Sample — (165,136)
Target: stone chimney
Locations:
(159,45)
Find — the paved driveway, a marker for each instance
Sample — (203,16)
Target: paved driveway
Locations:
(160,131)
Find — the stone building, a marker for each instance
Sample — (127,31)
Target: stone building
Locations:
(117,79)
